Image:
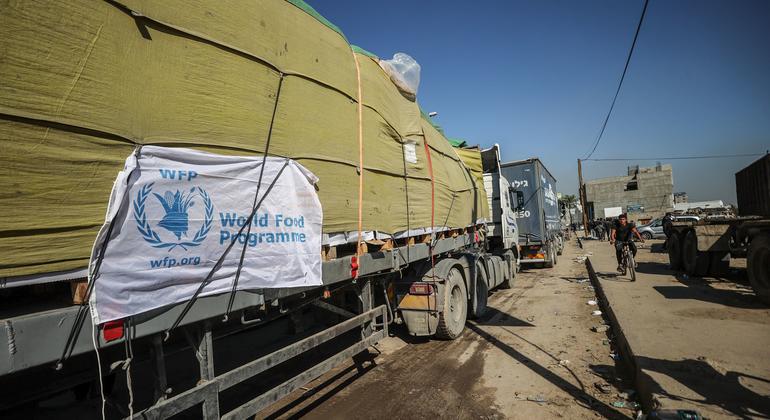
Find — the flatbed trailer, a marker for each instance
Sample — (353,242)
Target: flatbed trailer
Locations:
(705,247)
(32,343)
(431,283)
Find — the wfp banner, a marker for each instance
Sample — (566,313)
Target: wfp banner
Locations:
(175,211)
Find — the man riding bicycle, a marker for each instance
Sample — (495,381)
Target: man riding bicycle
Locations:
(623,233)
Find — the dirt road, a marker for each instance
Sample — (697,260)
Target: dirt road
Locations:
(533,355)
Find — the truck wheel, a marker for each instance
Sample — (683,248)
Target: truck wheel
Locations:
(696,263)
(647,236)
(758,266)
(719,264)
(451,321)
(480,295)
(561,247)
(675,251)
(550,257)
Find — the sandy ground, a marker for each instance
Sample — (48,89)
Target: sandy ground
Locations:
(698,343)
(533,355)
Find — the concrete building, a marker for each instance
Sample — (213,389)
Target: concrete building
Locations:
(645,193)
(680,198)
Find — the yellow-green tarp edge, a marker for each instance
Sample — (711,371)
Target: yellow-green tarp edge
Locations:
(85,81)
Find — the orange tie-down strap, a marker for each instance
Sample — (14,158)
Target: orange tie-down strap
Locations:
(354,264)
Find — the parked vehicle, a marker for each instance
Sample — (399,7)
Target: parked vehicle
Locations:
(654,229)
(651,230)
(701,247)
(537,211)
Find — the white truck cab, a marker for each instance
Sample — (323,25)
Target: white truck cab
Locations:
(503,229)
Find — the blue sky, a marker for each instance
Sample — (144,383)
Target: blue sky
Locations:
(537,77)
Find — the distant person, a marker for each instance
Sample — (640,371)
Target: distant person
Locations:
(623,233)
(607,226)
(668,219)
(600,232)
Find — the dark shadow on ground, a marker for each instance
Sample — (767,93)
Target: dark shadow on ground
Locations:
(577,393)
(706,293)
(653,268)
(617,375)
(722,390)
(613,276)
(496,317)
(402,332)
(701,288)
(364,362)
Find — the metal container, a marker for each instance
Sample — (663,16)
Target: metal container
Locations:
(752,186)
(538,218)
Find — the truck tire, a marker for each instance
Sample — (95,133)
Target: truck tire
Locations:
(510,261)
(758,266)
(719,264)
(675,251)
(451,320)
(561,247)
(696,263)
(481,293)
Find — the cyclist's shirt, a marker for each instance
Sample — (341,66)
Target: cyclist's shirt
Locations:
(623,233)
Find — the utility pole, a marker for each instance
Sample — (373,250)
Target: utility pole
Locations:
(582,193)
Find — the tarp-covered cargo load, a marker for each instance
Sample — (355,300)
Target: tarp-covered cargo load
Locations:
(85,81)
(472,159)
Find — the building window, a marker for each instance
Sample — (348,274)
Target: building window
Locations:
(632,186)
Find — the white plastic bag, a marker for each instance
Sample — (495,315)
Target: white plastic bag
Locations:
(404,71)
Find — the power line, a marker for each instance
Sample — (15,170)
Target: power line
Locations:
(677,157)
(620,84)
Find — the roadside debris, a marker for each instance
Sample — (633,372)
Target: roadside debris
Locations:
(596,312)
(623,404)
(563,362)
(603,387)
(537,399)
(592,302)
(600,328)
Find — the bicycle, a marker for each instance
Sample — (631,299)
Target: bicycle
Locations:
(627,261)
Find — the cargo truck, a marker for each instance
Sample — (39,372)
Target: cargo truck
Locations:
(415,232)
(533,189)
(705,247)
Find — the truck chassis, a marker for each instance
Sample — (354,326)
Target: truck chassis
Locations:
(705,248)
(34,342)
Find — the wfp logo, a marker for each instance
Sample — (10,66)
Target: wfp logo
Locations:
(176,206)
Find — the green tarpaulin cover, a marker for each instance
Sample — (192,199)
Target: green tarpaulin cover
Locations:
(84,82)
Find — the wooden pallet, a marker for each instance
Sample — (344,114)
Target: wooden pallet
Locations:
(329,253)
